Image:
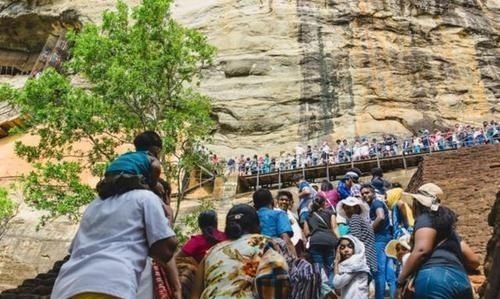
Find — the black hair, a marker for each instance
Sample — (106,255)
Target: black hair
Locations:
(168,191)
(146,140)
(286,193)
(326,185)
(297,177)
(350,242)
(262,198)
(443,220)
(241,219)
(397,185)
(356,209)
(166,186)
(207,221)
(369,186)
(377,171)
(318,203)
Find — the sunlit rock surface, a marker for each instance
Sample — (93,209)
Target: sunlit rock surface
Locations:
(308,70)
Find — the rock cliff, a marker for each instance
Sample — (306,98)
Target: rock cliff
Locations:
(289,71)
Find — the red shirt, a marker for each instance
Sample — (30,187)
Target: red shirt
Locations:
(198,245)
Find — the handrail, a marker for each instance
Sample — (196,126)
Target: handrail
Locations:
(200,184)
(280,177)
(379,157)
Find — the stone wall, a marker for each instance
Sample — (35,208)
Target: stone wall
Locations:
(307,70)
(470,177)
(25,252)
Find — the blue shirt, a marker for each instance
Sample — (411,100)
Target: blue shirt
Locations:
(384,231)
(112,244)
(306,200)
(274,223)
(343,190)
(131,163)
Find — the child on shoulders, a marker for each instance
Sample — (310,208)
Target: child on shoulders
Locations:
(134,170)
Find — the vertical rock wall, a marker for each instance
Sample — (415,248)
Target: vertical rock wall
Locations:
(328,69)
(291,71)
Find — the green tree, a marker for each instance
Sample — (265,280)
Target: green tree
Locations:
(139,69)
(7,209)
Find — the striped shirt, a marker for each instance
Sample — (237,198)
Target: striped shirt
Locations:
(361,229)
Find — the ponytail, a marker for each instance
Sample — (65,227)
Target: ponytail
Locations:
(317,204)
(241,219)
(233,229)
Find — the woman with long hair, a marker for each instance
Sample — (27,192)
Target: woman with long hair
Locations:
(439,259)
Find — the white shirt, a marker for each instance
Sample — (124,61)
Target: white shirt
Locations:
(111,246)
(326,149)
(145,290)
(297,231)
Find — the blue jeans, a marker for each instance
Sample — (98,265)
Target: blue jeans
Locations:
(442,282)
(385,272)
(323,256)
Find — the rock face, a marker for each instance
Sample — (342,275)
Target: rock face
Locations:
(303,70)
(25,251)
(308,70)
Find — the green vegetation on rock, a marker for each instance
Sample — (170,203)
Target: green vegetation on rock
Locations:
(140,67)
(7,206)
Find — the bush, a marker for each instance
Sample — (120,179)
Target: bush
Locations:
(7,206)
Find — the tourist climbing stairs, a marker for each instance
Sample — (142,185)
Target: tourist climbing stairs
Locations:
(53,53)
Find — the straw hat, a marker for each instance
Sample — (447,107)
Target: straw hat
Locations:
(428,195)
(390,249)
(352,201)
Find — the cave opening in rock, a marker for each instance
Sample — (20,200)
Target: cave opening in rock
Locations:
(32,42)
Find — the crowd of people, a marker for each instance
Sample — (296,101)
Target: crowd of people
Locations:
(335,242)
(361,148)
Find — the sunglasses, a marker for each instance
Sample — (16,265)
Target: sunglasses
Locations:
(366,192)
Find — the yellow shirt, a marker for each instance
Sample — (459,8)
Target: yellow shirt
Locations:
(393,197)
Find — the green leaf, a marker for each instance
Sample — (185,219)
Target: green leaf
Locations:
(139,70)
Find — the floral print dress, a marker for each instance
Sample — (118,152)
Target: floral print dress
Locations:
(231,266)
